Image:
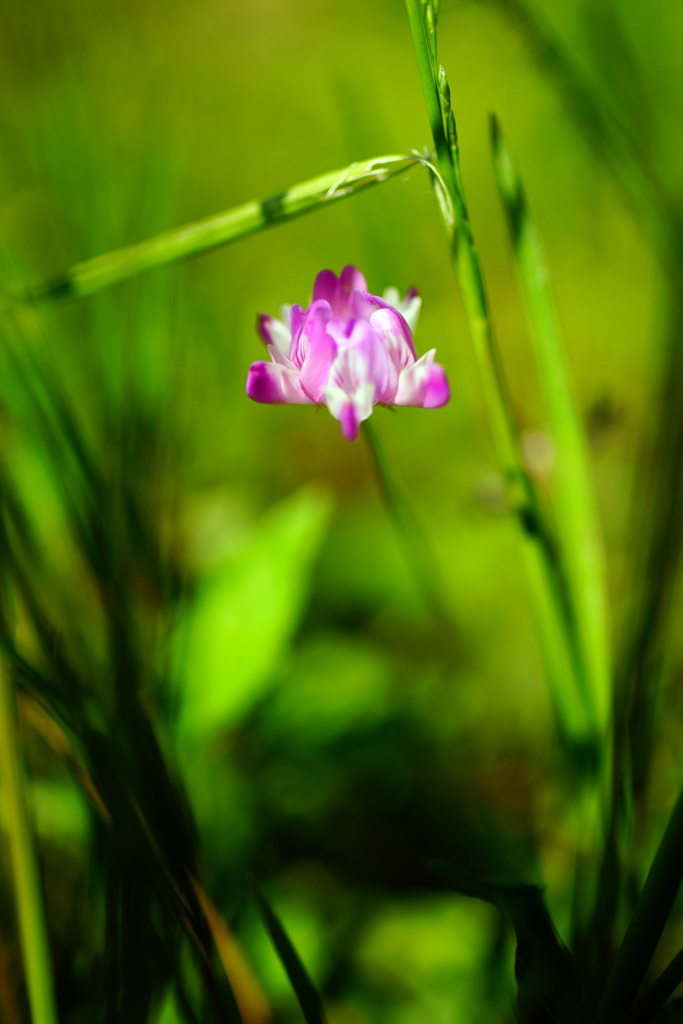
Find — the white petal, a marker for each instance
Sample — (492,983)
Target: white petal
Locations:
(392,297)
(410,310)
(280,332)
(277,357)
(335,398)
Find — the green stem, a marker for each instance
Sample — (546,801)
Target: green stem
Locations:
(431,93)
(468,270)
(93,275)
(647,924)
(545,573)
(577,517)
(413,541)
(24,863)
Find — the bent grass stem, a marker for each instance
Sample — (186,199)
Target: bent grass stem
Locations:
(93,275)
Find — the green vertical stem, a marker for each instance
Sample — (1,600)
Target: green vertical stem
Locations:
(469,274)
(546,575)
(576,515)
(27,887)
(431,95)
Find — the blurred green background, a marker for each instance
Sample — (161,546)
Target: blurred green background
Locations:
(330,739)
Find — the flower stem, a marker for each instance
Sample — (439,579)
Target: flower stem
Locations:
(417,551)
(24,863)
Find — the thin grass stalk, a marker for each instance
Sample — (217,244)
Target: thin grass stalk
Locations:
(93,275)
(578,527)
(547,584)
(417,551)
(26,877)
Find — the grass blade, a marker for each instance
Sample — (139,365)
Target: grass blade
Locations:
(648,921)
(661,990)
(577,518)
(30,910)
(309,1000)
(92,275)
(582,554)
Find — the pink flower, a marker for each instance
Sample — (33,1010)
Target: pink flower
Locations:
(349,350)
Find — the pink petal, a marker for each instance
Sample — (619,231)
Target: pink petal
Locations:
(423,384)
(396,333)
(326,287)
(274,384)
(351,280)
(296,322)
(361,305)
(348,421)
(319,352)
(409,311)
(262,322)
(362,359)
(337,291)
(318,312)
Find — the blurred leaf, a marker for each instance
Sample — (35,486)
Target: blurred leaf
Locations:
(60,812)
(610,142)
(547,979)
(357,690)
(168,1011)
(245,613)
(622,75)
(309,1000)
(417,942)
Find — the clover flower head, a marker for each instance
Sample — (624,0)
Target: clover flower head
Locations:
(349,350)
